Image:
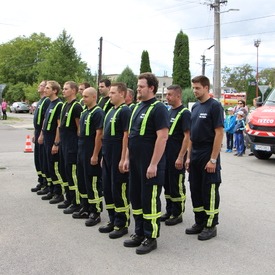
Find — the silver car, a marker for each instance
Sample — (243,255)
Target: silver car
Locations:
(18,107)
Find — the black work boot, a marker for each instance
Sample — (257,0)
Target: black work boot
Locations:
(64,204)
(195,229)
(37,187)
(135,241)
(47,197)
(82,214)
(72,208)
(56,199)
(107,228)
(147,246)
(43,191)
(173,220)
(207,233)
(94,219)
(118,232)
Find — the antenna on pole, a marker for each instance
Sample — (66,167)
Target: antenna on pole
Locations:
(100,61)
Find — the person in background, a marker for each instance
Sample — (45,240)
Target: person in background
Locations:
(229,124)
(104,100)
(238,131)
(88,159)
(148,133)
(82,87)
(175,151)
(203,159)
(129,99)
(4,109)
(68,135)
(38,118)
(49,138)
(114,146)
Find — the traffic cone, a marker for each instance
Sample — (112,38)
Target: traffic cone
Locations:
(28,147)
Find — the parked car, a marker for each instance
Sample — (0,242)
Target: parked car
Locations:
(33,107)
(18,107)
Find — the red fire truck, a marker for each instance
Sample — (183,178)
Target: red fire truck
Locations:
(260,129)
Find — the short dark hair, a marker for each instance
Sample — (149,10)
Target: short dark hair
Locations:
(176,88)
(203,80)
(121,87)
(151,80)
(106,81)
(85,84)
(54,85)
(73,85)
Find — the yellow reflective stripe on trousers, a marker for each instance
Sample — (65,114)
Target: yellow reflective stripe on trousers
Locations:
(198,209)
(212,211)
(154,214)
(60,180)
(74,187)
(110,206)
(167,197)
(137,211)
(83,196)
(97,199)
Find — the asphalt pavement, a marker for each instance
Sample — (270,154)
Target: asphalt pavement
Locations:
(37,238)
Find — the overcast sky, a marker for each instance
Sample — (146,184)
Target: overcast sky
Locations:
(130,26)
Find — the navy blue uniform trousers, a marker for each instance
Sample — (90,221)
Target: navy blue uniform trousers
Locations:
(145,193)
(68,159)
(204,187)
(115,184)
(89,176)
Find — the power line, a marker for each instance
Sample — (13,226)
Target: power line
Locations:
(232,22)
(240,35)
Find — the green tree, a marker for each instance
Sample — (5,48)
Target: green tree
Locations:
(181,73)
(237,77)
(250,92)
(31,93)
(16,93)
(188,96)
(61,62)
(145,63)
(267,76)
(19,57)
(129,78)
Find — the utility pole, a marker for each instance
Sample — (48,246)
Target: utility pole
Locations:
(217,49)
(100,61)
(204,60)
(257,44)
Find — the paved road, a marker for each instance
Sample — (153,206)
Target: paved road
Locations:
(37,238)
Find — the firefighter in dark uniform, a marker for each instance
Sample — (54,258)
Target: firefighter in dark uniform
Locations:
(104,100)
(88,159)
(147,139)
(68,130)
(39,114)
(130,98)
(115,180)
(49,137)
(81,88)
(203,160)
(176,148)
